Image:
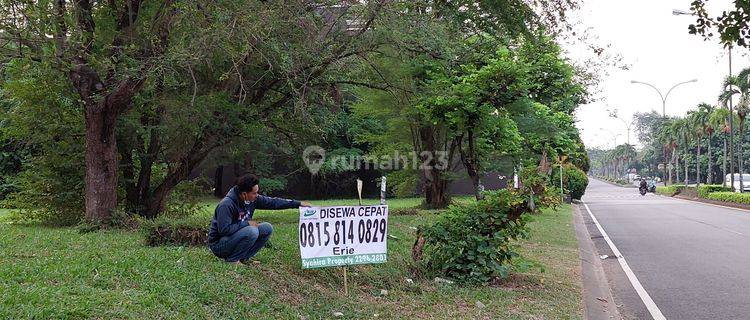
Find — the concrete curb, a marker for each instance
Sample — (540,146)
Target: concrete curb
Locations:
(714,203)
(597,295)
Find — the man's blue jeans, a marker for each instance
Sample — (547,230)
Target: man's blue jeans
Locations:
(243,244)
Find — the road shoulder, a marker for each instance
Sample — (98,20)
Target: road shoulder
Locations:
(597,295)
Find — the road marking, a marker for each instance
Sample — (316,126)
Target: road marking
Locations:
(650,305)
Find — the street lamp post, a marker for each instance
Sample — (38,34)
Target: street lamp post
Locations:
(614,136)
(664,101)
(628,126)
(662,96)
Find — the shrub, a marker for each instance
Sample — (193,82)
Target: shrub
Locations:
(186,198)
(705,189)
(49,187)
(575,181)
(472,243)
(728,196)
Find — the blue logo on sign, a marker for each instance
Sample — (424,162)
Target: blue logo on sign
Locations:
(308,212)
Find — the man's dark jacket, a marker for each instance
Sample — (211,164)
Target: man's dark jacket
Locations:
(232,213)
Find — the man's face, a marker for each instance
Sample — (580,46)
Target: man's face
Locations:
(250,195)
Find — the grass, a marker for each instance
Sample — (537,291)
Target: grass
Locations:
(4,213)
(59,273)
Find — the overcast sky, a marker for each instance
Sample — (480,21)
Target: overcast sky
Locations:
(658,49)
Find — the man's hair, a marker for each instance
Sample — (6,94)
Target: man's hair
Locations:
(246,182)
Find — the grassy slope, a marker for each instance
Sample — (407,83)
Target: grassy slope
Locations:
(59,273)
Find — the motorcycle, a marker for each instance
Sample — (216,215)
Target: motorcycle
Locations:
(642,191)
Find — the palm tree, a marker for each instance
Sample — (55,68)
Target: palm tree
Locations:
(684,131)
(666,137)
(708,129)
(674,131)
(697,120)
(719,120)
(625,154)
(739,85)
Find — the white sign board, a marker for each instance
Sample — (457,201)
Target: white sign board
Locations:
(343,235)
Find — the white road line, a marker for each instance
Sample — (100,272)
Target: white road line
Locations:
(650,305)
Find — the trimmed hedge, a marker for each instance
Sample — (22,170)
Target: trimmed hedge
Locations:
(670,190)
(728,196)
(705,189)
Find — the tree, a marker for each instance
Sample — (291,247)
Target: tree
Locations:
(454,83)
(157,58)
(740,85)
(657,143)
(718,121)
(732,26)
(698,120)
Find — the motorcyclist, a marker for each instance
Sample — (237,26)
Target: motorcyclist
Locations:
(644,185)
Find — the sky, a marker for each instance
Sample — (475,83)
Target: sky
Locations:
(657,48)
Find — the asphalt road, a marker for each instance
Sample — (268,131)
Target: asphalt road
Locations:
(693,259)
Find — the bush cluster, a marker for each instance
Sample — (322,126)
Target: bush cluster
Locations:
(728,196)
(575,181)
(706,189)
(473,243)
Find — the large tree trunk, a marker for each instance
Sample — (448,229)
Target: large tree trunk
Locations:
(470,161)
(436,195)
(180,172)
(101,110)
(436,184)
(101,163)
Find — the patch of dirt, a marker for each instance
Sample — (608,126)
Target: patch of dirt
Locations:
(517,282)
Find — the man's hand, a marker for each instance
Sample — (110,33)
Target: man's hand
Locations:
(305,204)
(252,223)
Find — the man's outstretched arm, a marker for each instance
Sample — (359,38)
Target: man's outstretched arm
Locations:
(271,203)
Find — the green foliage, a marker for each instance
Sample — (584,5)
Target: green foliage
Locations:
(731,25)
(403,183)
(187,198)
(705,189)
(728,196)
(48,124)
(12,156)
(472,243)
(575,180)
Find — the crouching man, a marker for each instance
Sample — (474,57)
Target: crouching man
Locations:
(233,235)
